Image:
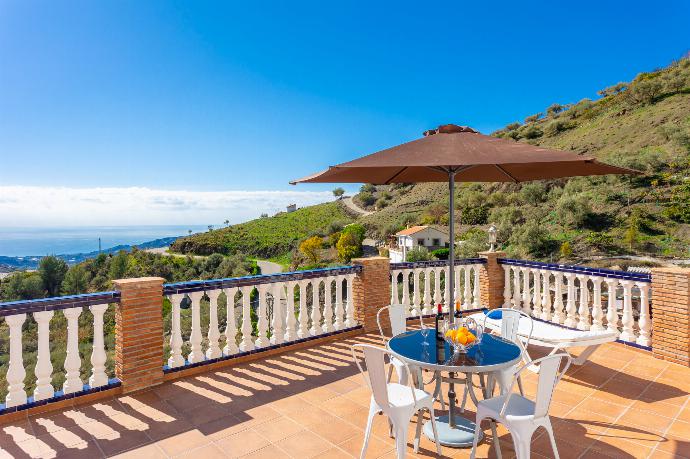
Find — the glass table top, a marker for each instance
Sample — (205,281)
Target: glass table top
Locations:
(491,354)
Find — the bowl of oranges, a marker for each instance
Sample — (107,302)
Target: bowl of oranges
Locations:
(463,336)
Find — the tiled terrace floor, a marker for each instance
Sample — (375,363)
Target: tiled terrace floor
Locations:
(313,403)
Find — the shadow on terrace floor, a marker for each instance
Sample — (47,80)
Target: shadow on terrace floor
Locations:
(313,402)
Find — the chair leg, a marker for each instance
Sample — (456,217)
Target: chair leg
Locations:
(433,428)
(549,430)
(494,434)
(418,432)
(401,441)
(438,391)
(367,432)
(390,372)
(522,445)
(519,383)
(477,430)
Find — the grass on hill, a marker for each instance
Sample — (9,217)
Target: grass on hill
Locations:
(267,237)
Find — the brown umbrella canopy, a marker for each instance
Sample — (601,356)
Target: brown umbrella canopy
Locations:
(475,158)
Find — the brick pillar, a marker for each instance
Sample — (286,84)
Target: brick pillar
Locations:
(139,333)
(671,314)
(371,290)
(491,280)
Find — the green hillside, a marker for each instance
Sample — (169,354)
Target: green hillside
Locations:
(267,237)
(644,124)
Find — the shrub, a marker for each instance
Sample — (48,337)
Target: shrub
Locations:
(513,126)
(645,91)
(441,254)
(599,240)
(418,254)
(381,203)
(368,188)
(532,118)
(367,198)
(573,210)
(357,230)
(475,215)
(348,247)
(532,239)
(533,193)
(557,126)
(532,132)
(554,109)
(566,250)
(311,248)
(338,192)
(472,241)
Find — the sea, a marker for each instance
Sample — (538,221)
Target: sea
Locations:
(22,242)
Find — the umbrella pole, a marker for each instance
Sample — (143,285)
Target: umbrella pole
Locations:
(451,253)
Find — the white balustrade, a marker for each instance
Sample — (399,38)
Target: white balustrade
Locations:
(176,360)
(195,355)
(290,319)
(327,307)
(231,323)
(262,322)
(247,343)
(315,329)
(428,306)
(350,310)
(416,299)
(580,304)
(339,307)
(406,291)
(43,370)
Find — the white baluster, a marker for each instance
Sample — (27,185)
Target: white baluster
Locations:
(477,288)
(98,376)
(536,297)
(44,369)
(278,333)
(350,310)
(72,365)
(195,337)
(175,360)
(644,323)
(507,300)
(394,287)
(231,323)
(446,285)
(467,295)
(262,321)
(597,310)
(558,308)
(290,321)
(457,298)
(303,318)
(583,311)
(417,299)
(627,319)
(428,306)
(213,351)
(406,291)
(339,309)
(327,306)
(247,343)
(316,328)
(570,308)
(16,395)
(517,298)
(611,311)
(525,291)
(546,294)
(437,287)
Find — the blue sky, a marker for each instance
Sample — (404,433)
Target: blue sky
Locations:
(223,96)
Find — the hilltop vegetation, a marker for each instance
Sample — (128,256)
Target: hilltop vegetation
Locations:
(268,237)
(643,124)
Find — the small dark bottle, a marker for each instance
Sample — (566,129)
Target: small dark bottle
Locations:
(458,312)
(439,323)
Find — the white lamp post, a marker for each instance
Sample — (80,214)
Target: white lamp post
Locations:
(492,237)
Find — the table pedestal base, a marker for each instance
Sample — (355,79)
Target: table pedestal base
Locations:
(460,436)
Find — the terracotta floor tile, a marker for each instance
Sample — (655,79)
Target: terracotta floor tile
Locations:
(143,452)
(268,452)
(242,443)
(675,446)
(650,421)
(376,447)
(304,445)
(277,429)
(619,448)
(335,430)
(183,442)
(125,442)
(333,453)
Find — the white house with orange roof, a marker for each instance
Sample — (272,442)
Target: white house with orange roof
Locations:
(429,237)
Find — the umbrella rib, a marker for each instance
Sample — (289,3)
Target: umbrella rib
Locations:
(506,173)
(395,175)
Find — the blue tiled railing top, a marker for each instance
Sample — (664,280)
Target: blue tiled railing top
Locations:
(214,284)
(608,273)
(436,263)
(58,302)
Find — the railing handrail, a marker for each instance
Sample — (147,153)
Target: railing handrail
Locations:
(436,263)
(58,302)
(215,284)
(600,272)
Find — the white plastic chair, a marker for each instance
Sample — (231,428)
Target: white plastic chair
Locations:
(398,324)
(397,401)
(520,415)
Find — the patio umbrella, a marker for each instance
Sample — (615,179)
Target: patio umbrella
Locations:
(453,153)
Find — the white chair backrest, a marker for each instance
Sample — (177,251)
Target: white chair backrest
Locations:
(397,319)
(549,375)
(510,324)
(375,376)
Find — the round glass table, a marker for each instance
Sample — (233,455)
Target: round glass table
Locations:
(421,349)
